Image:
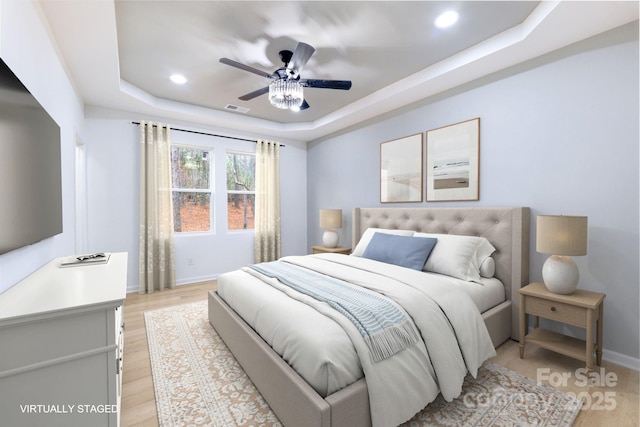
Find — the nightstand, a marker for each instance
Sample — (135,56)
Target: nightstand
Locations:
(323,250)
(581,308)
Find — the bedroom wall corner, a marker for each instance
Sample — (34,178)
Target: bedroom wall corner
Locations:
(558,134)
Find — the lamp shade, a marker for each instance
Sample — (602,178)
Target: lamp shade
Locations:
(330,218)
(561,235)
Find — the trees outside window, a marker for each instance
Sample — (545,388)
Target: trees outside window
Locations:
(191,188)
(241,188)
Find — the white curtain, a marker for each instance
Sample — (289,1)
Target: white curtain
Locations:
(267,222)
(157,254)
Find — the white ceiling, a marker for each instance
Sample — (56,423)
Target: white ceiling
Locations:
(120,54)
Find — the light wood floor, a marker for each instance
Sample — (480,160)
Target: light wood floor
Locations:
(616,405)
(138,398)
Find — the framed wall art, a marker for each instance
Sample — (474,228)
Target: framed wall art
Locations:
(453,162)
(401,170)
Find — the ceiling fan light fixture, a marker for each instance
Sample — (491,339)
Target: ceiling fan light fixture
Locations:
(286,94)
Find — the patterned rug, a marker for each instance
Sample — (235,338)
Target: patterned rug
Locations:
(199,383)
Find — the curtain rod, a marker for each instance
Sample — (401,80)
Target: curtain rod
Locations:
(208,134)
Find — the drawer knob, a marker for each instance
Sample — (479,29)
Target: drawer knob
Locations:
(553,309)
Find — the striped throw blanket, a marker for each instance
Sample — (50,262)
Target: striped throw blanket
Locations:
(384,325)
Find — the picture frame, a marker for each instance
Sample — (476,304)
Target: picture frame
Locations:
(401,170)
(453,162)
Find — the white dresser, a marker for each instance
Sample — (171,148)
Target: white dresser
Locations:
(61,335)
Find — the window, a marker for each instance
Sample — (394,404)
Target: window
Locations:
(241,198)
(192,195)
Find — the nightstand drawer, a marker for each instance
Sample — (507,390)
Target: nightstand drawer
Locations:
(324,250)
(557,311)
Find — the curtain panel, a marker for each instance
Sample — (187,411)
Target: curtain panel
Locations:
(267,222)
(157,253)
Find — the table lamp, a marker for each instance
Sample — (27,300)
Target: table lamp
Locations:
(330,219)
(562,237)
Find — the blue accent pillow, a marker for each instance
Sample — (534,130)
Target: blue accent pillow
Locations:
(405,251)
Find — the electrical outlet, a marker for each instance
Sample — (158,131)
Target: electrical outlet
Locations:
(190,261)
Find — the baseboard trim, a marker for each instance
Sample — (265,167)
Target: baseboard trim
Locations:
(188,281)
(621,359)
(193,280)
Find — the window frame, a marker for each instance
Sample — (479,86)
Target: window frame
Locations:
(249,192)
(210,190)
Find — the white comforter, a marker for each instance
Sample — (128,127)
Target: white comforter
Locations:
(455,339)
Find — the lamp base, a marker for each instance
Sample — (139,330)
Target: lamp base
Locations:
(330,239)
(560,274)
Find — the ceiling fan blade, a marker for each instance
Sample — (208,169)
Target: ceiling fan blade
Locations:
(254,94)
(300,57)
(236,64)
(327,84)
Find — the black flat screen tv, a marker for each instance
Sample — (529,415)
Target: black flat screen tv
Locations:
(30,167)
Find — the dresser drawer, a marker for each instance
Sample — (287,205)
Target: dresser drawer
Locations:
(557,311)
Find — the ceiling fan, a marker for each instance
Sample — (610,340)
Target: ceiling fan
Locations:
(286,87)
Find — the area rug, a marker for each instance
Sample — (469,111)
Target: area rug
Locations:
(198,382)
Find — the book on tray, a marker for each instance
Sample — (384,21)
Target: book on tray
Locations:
(87,259)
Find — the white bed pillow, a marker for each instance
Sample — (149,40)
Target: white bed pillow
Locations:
(368,234)
(488,268)
(458,256)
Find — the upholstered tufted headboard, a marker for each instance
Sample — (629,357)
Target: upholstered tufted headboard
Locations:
(506,228)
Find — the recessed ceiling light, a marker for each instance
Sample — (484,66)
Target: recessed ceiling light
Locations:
(178,79)
(446,19)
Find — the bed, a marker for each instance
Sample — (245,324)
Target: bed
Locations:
(292,398)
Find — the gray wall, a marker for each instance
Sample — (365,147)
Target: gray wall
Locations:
(113,153)
(27,50)
(558,134)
